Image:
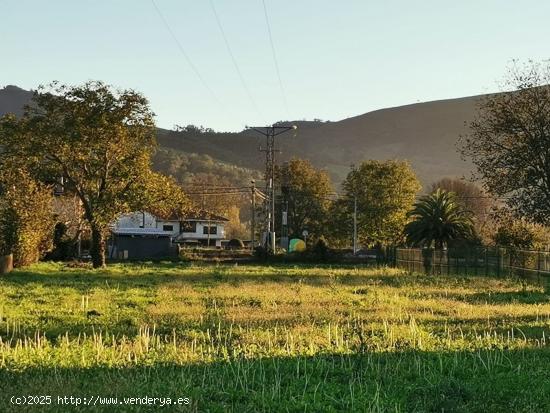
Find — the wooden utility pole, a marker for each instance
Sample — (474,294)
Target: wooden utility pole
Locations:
(355,224)
(253,225)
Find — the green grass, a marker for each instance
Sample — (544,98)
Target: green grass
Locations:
(282,338)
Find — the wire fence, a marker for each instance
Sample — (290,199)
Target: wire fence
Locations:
(474,261)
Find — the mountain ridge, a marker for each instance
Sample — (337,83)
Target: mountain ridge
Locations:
(423,133)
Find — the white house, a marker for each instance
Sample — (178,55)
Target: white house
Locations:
(202,228)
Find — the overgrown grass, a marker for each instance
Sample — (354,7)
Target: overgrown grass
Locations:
(282,338)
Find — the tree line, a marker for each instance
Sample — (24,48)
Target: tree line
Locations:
(98,144)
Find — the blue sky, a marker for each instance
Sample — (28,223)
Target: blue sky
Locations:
(336,58)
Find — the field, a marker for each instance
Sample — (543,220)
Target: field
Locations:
(282,338)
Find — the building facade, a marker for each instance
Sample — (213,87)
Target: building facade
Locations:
(200,229)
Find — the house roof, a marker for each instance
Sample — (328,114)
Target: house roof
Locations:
(201,215)
(141,231)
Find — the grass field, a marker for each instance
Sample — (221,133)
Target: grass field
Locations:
(284,338)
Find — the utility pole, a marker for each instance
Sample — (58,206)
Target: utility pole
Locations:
(270,132)
(284,207)
(253,226)
(354,224)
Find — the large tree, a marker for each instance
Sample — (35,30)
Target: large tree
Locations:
(509,142)
(305,191)
(98,141)
(469,195)
(385,192)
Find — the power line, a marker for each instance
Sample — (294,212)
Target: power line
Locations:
(275,59)
(234,60)
(184,53)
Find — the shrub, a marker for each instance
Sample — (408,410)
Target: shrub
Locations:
(235,244)
(63,246)
(321,250)
(26,218)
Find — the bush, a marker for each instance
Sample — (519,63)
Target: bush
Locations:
(235,244)
(63,246)
(26,218)
(261,253)
(321,251)
(521,234)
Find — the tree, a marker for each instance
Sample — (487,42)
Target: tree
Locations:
(518,233)
(437,219)
(26,216)
(210,192)
(469,195)
(99,141)
(305,190)
(161,195)
(385,192)
(509,142)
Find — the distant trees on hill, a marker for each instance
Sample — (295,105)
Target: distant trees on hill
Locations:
(184,167)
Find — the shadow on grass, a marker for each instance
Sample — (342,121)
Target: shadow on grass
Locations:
(485,381)
(508,297)
(137,275)
(520,296)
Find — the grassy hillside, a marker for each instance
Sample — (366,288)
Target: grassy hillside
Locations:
(424,133)
(183,160)
(260,338)
(186,167)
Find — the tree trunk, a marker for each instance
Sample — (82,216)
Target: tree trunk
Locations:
(97,250)
(6,263)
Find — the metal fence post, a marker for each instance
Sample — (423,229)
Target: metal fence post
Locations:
(538,266)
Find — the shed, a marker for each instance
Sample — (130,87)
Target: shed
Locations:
(140,243)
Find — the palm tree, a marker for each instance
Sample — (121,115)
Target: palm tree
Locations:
(437,219)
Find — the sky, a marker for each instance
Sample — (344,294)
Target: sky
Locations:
(334,59)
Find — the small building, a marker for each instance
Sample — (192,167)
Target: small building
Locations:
(199,229)
(140,243)
(202,229)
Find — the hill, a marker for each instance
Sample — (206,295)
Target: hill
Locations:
(424,133)
(12,99)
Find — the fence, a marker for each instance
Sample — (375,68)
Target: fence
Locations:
(474,261)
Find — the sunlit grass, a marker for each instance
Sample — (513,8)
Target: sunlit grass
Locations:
(176,315)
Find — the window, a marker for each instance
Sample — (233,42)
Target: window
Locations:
(213,230)
(168,228)
(188,226)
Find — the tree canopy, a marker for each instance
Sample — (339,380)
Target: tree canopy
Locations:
(469,195)
(385,192)
(305,191)
(98,141)
(509,142)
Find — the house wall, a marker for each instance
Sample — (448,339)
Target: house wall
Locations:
(175,226)
(136,220)
(220,232)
